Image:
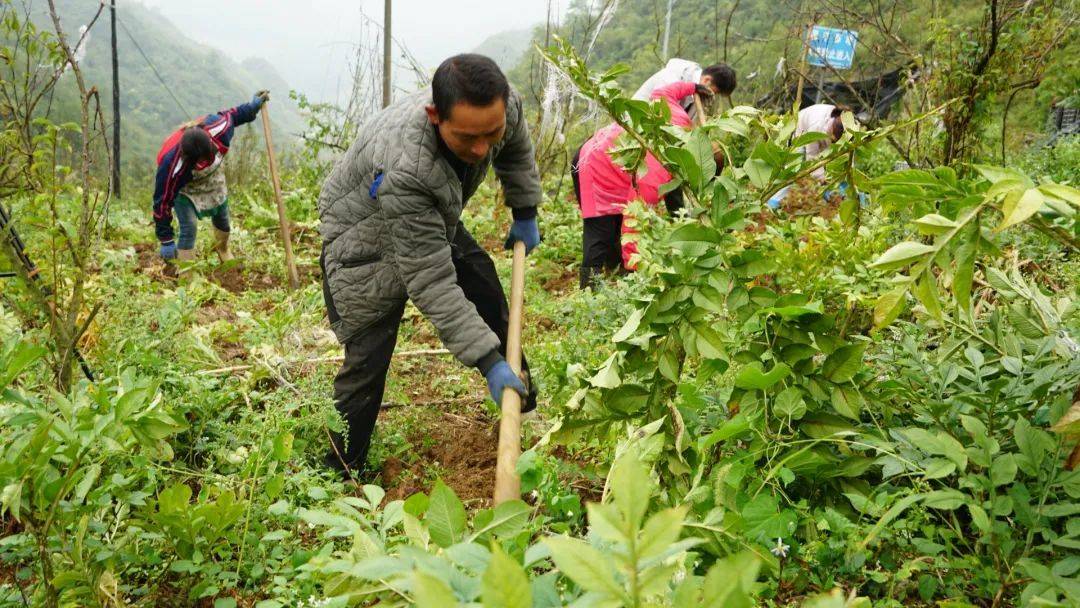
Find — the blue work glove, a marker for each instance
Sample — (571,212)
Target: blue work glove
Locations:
(525,231)
(501,377)
(168,250)
(260,98)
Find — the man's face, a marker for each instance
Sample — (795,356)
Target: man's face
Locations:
(470,131)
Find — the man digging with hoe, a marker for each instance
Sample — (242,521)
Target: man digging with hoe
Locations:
(392,232)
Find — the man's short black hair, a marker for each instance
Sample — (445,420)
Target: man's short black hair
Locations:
(723,77)
(196,145)
(472,78)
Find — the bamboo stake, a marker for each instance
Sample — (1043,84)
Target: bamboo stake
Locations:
(283,219)
(507,483)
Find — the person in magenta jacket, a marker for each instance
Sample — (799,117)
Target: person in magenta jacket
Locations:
(604,189)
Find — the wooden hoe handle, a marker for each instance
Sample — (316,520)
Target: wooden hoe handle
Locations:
(507,484)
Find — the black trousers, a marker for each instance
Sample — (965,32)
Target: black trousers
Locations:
(359,385)
(601,248)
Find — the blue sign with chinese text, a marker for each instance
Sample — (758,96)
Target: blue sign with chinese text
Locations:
(831,47)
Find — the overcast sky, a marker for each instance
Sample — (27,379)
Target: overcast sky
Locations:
(309,41)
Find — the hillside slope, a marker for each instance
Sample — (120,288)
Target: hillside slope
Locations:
(194,79)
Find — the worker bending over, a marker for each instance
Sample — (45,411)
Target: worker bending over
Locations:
(392,232)
(191,180)
(604,189)
(718,78)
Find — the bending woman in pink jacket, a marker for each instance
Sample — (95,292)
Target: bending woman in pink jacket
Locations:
(604,189)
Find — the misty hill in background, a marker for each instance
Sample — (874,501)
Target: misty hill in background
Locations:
(201,79)
(506,48)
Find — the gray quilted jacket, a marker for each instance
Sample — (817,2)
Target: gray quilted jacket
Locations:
(386,240)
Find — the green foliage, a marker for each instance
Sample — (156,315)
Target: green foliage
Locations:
(63,470)
(764,418)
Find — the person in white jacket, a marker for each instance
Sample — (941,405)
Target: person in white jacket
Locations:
(820,118)
(719,77)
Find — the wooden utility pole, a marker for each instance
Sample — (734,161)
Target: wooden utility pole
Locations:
(387,91)
(115,107)
(667,29)
(802,64)
(283,218)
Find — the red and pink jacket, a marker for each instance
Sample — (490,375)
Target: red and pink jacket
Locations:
(607,188)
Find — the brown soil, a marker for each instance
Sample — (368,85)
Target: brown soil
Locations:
(464,450)
(150,263)
(233,279)
(308,273)
(566,281)
(210,313)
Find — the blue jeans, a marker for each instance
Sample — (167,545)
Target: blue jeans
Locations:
(187,216)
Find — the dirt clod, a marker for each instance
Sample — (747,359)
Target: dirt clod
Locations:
(462,450)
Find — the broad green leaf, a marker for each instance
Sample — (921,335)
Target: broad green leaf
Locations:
(808,138)
(660,531)
(445,516)
(729,581)
(700,147)
(1069,423)
(508,519)
(727,429)
(632,488)
(606,521)
(709,343)
(847,401)
(19,359)
(789,404)
(754,377)
(581,563)
(1027,205)
(968,240)
(631,325)
(694,238)
(937,468)
(1003,470)
(432,592)
(505,584)
(842,365)
(979,517)
(901,254)
(759,172)
(946,500)
(1066,193)
(934,224)
(926,292)
(283,443)
(608,376)
(1034,443)
(688,166)
(937,443)
(997,174)
(889,305)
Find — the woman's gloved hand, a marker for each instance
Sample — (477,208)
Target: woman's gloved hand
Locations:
(261,98)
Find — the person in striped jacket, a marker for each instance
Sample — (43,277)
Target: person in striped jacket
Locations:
(190,180)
